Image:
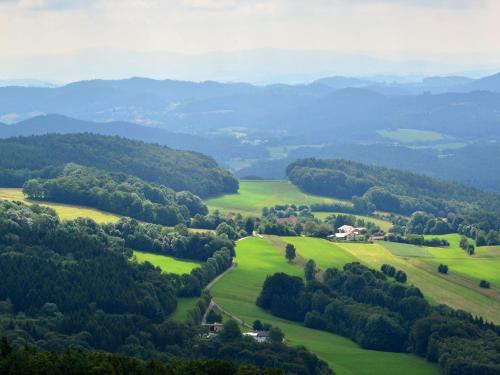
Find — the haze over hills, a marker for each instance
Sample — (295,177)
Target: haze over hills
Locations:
(443,126)
(259,66)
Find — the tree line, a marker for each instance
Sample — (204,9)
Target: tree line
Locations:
(117,193)
(24,158)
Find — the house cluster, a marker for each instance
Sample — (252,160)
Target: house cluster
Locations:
(215,328)
(349,233)
(259,336)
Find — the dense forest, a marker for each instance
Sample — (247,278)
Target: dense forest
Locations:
(437,206)
(74,285)
(24,158)
(364,305)
(29,362)
(118,193)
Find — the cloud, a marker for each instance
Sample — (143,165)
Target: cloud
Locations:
(425,3)
(49,4)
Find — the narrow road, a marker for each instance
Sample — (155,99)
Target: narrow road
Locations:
(214,281)
(214,304)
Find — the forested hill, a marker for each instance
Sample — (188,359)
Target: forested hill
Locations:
(24,158)
(388,189)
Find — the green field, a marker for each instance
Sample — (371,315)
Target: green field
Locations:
(166,263)
(184,305)
(383,224)
(254,195)
(237,291)
(65,211)
(459,289)
(410,135)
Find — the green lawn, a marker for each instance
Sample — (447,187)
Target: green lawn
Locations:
(237,291)
(166,263)
(410,135)
(383,224)
(65,211)
(253,195)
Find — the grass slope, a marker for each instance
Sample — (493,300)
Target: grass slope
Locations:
(166,263)
(255,194)
(421,270)
(237,291)
(65,211)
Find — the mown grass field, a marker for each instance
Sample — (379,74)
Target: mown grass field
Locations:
(237,291)
(383,224)
(65,211)
(459,289)
(166,263)
(255,195)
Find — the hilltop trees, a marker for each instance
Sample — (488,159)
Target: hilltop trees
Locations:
(436,206)
(118,193)
(25,158)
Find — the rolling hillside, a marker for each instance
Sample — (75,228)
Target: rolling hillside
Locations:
(23,158)
(237,292)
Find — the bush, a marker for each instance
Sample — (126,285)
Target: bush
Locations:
(484,284)
(401,276)
(388,270)
(443,268)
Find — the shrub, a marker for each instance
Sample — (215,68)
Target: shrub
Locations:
(443,268)
(401,276)
(484,284)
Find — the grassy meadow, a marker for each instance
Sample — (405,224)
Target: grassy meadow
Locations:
(254,195)
(237,291)
(458,289)
(167,264)
(65,211)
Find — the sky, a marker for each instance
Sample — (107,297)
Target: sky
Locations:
(58,32)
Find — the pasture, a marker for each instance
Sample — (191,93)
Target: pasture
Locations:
(166,263)
(65,211)
(237,291)
(254,195)
(454,289)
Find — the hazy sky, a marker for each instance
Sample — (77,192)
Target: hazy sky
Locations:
(401,29)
